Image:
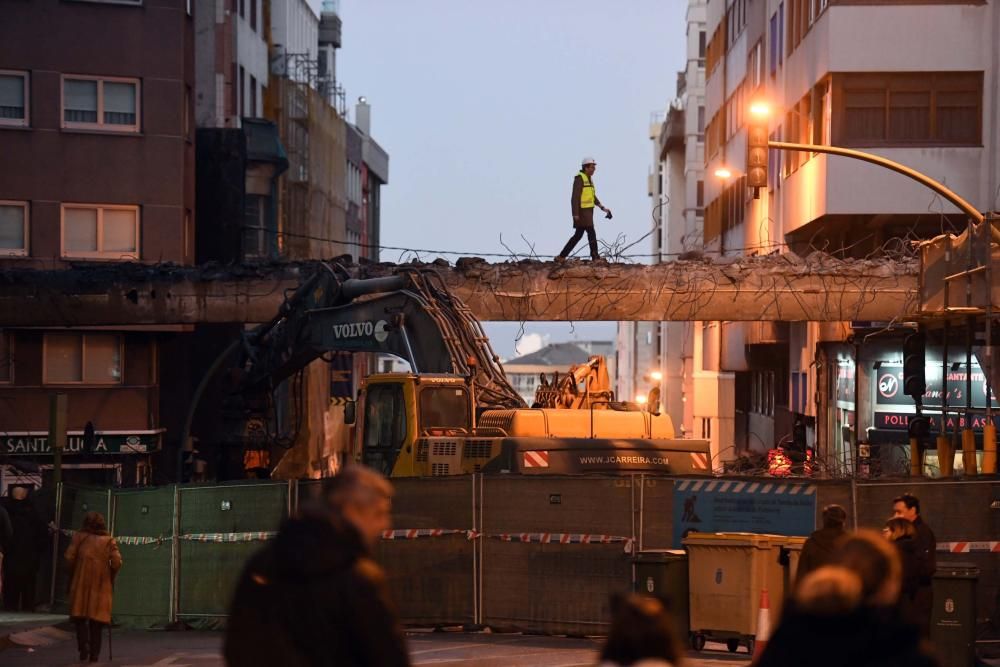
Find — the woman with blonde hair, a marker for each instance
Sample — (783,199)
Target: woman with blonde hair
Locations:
(94,559)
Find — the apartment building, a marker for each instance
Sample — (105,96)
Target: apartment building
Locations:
(915,83)
(97,136)
(676,191)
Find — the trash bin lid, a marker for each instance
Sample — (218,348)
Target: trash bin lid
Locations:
(757,540)
(956,570)
(660,555)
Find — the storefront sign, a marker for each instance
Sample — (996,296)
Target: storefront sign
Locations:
(710,506)
(899,421)
(889,386)
(28,443)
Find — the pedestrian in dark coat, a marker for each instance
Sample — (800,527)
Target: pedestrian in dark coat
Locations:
(582,203)
(903,536)
(21,562)
(907,506)
(846,614)
(314,596)
(821,546)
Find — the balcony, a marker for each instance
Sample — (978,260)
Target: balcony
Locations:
(672,131)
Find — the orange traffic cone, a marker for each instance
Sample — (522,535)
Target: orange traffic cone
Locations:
(763,625)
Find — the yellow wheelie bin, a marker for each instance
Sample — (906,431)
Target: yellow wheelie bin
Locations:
(726,574)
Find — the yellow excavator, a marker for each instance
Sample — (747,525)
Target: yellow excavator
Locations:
(455,412)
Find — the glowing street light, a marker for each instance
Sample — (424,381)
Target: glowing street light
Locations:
(656,375)
(641,399)
(723,173)
(760,109)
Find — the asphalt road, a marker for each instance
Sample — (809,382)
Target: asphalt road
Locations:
(203,649)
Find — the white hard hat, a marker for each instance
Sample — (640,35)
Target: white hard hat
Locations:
(588,160)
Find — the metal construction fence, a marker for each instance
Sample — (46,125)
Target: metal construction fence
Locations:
(535,553)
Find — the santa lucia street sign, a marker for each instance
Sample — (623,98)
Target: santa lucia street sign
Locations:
(36,443)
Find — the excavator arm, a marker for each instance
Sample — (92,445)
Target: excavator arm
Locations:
(411,315)
(585,386)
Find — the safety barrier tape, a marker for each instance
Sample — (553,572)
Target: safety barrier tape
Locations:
(414,533)
(142,540)
(403,534)
(969,547)
(258,536)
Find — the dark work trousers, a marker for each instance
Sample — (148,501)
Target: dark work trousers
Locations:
(19,591)
(591,239)
(88,637)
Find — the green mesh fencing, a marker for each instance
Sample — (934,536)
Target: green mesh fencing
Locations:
(144,529)
(77,501)
(240,514)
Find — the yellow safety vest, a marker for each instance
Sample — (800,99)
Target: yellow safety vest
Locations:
(587,194)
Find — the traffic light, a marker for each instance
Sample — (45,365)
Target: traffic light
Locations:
(914,382)
(757,151)
(919,427)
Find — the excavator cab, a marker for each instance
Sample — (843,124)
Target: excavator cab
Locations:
(398,409)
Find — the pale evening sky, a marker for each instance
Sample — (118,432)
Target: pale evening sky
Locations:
(486,109)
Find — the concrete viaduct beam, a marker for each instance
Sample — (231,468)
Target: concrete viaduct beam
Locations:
(774,287)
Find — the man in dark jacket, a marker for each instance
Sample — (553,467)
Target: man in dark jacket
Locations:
(20,566)
(907,506)
(314,596)
(821,546)
(582,203)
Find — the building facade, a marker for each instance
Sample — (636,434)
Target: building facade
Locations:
(676,191)
(847,74)
(102,132)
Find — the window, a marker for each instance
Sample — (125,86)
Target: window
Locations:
(253,14)
(700,196)
(254,231)
(385,425)
(701,120)
(762,391)
(243,8)
(82,359)
(701,45)
(706,428)
(253,97)
(100,231)
(773,52)
(943,108)
(13,98)
(755,66)
(241,110)
(101,104)
(13,228)
(6,360)
(781,32)
(444,407)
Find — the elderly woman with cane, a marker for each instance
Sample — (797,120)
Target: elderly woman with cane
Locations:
(94,559)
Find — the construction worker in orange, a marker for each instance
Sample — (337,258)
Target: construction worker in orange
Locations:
(94,558)
(582,203)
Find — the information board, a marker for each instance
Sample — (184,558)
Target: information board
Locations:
(717,506)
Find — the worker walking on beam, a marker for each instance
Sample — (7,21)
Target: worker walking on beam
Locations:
(583,201)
